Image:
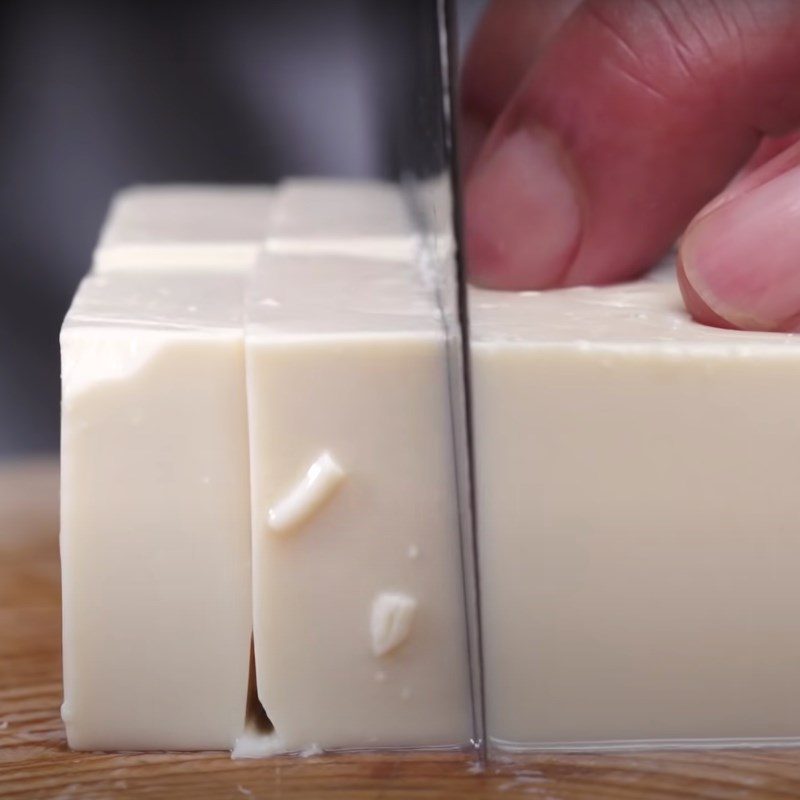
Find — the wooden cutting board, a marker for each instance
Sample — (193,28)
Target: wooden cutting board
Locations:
(35,761)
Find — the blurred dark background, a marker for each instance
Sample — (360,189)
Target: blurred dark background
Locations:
(95,96)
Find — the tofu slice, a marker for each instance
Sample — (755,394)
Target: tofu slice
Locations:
(155,525)
(359,623)
(341,217)
(184,226)
(637,521)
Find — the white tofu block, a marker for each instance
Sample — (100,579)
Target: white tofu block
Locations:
(184,226)
(155,513)
(359,623)
(345,217)
(637,521)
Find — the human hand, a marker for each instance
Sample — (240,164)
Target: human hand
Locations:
(595,132)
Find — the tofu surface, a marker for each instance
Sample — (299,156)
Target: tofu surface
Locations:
(345,217)
(637,515)
(184,226)
(359,624)
(155,513)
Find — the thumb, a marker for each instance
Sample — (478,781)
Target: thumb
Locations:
(634,116)
(739,261)
(506,43)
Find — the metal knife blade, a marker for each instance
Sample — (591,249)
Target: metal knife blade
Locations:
(429,169)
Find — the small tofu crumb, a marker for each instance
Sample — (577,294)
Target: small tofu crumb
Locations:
(252,744)
(390,624)
(314,489)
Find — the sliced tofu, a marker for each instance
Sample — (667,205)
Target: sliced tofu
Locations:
(155,513)
(344,217)
(184,226)
(359,623)
(637,519)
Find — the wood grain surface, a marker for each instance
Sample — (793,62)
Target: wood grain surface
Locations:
(35,761)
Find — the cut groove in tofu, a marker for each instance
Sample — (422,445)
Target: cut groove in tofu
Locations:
(257,723)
